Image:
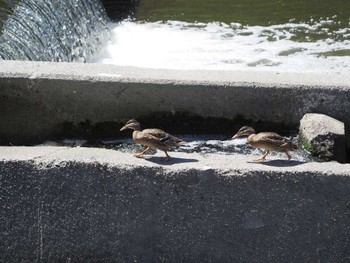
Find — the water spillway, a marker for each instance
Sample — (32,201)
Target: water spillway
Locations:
(57,31)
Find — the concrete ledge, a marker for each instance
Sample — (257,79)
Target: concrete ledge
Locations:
(39,100)
(94,205)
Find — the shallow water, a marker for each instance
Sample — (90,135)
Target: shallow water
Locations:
(219,144)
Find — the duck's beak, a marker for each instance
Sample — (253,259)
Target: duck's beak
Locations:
(235,136)
(124,128)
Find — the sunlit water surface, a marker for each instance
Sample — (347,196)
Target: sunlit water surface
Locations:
(219,144)
(292,47)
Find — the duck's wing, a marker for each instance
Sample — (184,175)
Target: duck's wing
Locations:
(158,133)
(269,136)
(274,141)
(163,137)
(146,137)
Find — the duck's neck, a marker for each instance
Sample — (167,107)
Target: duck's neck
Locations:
(137,127)
(250,138)
(135,133)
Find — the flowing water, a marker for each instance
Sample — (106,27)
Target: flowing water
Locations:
(204,144)
(49,30)
(272,35)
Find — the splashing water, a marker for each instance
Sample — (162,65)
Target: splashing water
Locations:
(47,30)
(205,144)
(316,46)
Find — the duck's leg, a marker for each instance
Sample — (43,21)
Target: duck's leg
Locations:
(261,159)
(141,154)
(167,157)
(288,155)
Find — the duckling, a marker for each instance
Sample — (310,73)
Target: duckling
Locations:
(268,141)
(152,138)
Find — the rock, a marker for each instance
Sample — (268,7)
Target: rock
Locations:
(323,137)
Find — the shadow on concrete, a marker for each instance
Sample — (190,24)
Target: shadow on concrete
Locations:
(280,163)
(172,160)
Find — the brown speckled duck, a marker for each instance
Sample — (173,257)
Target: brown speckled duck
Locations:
(152,138)
(268,141)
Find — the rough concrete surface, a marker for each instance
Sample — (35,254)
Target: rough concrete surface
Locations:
(62,204)
(38,99)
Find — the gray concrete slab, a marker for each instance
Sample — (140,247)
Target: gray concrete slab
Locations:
(48,156)
(104,73)
(98,205)
(41,100)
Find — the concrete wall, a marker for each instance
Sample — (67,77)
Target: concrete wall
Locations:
(93,205)
(43,100)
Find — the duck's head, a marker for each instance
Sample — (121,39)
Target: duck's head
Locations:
(244,131)
(131,124)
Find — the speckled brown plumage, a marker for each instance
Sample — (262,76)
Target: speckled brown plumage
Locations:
(269,141)
(152,138)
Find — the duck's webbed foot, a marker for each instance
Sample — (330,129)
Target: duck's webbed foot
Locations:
(167,158)
(288,155)
(141,154)
(262,158)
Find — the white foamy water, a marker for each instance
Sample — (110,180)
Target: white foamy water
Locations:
(204,144)
(218,46)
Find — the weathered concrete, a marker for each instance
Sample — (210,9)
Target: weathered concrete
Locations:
(43,100)
(63,204)
(323,136)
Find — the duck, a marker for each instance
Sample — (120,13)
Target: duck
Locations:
(269,141)
(152,138)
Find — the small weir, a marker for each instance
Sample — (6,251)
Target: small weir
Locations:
(147,34)
(49,30)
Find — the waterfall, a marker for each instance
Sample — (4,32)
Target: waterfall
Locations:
(51,30)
